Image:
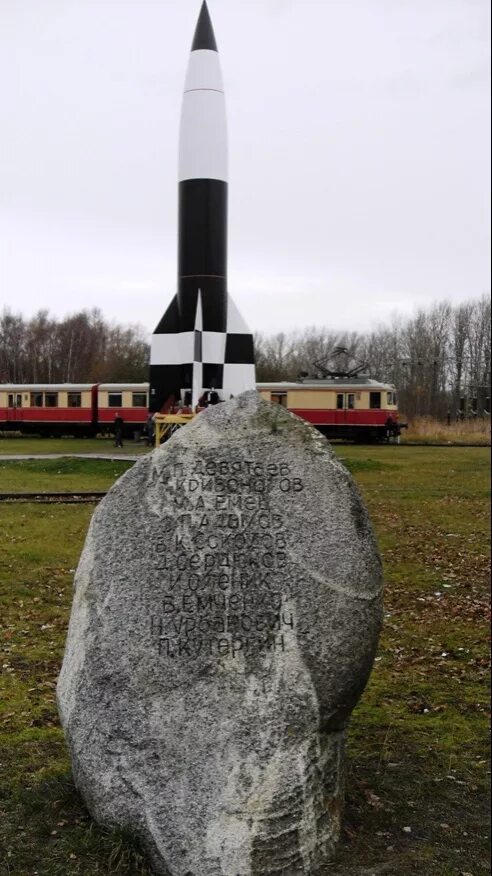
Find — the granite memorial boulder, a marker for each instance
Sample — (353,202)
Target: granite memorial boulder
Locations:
(226,613)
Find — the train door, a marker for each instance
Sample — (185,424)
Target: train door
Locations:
(345,407)
(350,399)
(341,409)
(14,403)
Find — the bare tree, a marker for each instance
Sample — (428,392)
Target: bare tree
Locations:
(82,348)
(12,347)
(479,352)
(458,347)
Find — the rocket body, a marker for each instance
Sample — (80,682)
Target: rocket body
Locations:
(201,343)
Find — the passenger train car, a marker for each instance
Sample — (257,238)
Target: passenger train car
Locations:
(72,408)
(355,408)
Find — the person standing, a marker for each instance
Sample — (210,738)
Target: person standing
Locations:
(118,431)
(150,430)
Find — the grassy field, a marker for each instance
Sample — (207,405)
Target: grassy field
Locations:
(418,770)
(14,445)
(59,475)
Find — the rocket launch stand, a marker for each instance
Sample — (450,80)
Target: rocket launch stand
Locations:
(165,424)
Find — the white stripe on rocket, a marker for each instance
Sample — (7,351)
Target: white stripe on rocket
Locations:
(197,380)
(178,349)
(237,379)
(213,347)
(203,131)
(204,72)
(203,141)
(174,349)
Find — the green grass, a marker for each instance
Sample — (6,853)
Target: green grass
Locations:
(418,739)
(13,445)
(59,475)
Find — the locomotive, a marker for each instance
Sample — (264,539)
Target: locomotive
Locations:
(352,408)
(355,409)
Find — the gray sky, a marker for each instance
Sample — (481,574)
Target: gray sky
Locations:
(359,155)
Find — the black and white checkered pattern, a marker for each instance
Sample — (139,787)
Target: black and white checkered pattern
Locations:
(225,359)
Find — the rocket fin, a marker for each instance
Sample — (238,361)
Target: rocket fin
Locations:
(170,321)
(239,343)
(239,360)
(235,322)
(167,352)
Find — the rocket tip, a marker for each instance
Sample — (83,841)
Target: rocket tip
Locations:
(204,34)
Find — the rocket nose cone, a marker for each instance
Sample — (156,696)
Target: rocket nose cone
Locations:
(204,34)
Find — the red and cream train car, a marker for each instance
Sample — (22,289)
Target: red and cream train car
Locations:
(356,408)
(72,408)
(130,401)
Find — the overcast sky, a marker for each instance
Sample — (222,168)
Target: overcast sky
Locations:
(359,155)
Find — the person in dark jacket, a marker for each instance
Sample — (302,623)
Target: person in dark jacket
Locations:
(118,431)
(150,430)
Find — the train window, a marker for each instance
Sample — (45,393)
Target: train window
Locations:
(51,399)
(279,398)
(114,400)
(36,399)
(375,401)
(139,399)
(351,401)
(392,398)
(340,401)
(74,399)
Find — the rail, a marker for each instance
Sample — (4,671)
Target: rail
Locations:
(53,498)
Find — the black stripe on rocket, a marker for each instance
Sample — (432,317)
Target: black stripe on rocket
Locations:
(202,253)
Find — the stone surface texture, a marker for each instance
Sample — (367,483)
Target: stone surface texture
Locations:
(226,613)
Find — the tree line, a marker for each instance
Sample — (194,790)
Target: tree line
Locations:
(82,348)
(439,359)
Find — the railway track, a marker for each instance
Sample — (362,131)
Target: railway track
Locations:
(55,498)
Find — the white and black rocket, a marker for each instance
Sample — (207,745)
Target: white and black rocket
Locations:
(201,343)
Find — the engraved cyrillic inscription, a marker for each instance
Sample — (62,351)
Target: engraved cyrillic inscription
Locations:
(221,559)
